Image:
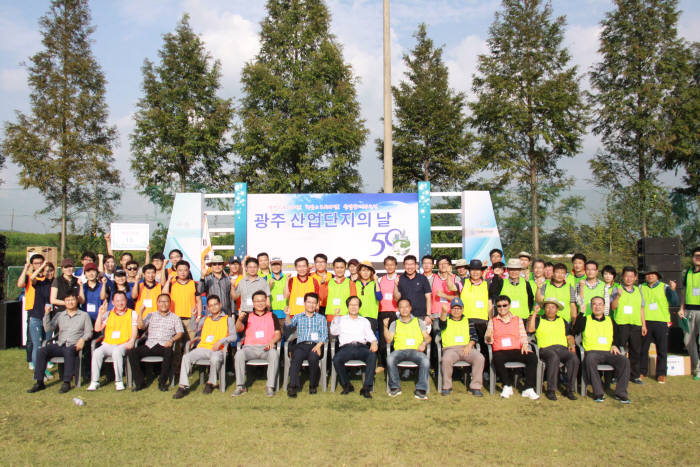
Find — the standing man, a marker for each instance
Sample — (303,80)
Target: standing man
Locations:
(416,288)
(495,256)
(74,329)
(628,306)
(340,288)
(34,322)
(690,308)
(588,288)
(477,306)
(578,272)
(444,288)
(64,284)
(299,286)
(387,306)
(236,276)
(250,284)
(462,271)
(517,289)
(92,291)
(263,264)
(657,298)
(559,288)
(215,282)
(368,291)
(428,264)
(323,277)
(312,334)
(525,260)
(147,291)
(277,281)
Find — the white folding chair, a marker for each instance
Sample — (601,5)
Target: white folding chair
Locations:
(512,366)
(259,362)
(406,365)
(305,363)
(108,359)
(205,365)
(460,364)
(354,364)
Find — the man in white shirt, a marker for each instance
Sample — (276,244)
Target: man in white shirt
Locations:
(357,342)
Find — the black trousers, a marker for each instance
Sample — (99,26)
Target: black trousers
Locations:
(621,365)
(137,353)
(501,357)
(480,328)
(631,338)
(552,356)
(657,332)
(44,354)
(355,352)
(382,342)
(302,351)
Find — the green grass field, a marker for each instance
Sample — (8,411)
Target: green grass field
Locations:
(149,427)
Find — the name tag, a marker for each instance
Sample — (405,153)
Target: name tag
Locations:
(410,342)
(696,292)
(627,310)
(459,339)
(506,342)
(300,301)
(654,306)
(443,300)
(91,307)
(249,302)
(148,302)
(388,296)
(479,304)
(515,304)
(280,297)
(336,301)
(314,336)
(209,339)
(116,334)
(603,340)
(259,334)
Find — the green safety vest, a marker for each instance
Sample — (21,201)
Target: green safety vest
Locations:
(573,280)
(589,293)
(692,287)
(456,333)
(563,294)
(277,300)
(655,303)
(629,307)
(550,333)
(408,335)
(370,304)
(518,298)
(598,335)
(476,300)
(337,297)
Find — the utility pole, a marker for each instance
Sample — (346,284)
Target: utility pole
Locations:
(12,221)
(388,156)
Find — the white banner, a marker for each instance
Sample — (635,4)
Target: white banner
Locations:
(130,236)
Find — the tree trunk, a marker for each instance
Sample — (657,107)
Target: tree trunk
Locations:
(535,214)
(426,173)
(64,201)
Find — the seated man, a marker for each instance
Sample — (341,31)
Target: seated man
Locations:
(164,329)
(312,333)
(215,332)
(410,336)
(74,329)
(120,331)
(262,332)
(600,339)
(459,338)
(357,342)
(506,333)
(556,346)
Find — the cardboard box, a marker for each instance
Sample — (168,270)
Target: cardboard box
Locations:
(676,365)
(48,252)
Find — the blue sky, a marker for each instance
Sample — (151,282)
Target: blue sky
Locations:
(128,31)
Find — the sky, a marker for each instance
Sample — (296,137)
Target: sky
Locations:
(129,31)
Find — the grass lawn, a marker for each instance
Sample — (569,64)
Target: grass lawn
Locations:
(149,427)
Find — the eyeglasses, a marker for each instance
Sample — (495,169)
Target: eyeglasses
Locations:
(131,269)
(503,305)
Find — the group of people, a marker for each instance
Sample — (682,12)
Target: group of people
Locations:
(527,312)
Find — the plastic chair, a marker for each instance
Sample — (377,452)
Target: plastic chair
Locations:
(305,363)
(459,364)
(349,364)
(60,362)
(108,359)
(405,365)
(261,362)
(603,367)
(157,359)
(512,366)
(204,362)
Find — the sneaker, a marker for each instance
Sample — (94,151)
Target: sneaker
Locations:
(119,386)
(208,388)
(446,392)
(347,389)
(623,401)
(571,395)
(31,366)
(394,392)
(637,381)
(420,395)
(180,393)
(507,392)
(48,376)
(240,390)
(366,392)
(269,392)
(696,376)
(50,365)
(476,392)
(38,386)
(94,385)
(661,379)
(599,398)
(551,395)
(530,394)
(65,387)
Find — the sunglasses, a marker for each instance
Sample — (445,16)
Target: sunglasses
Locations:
(132,269)
(217,264)
(504,305)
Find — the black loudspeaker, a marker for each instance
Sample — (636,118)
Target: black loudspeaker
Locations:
(659,246)
(3,246)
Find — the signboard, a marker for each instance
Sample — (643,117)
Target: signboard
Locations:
(130,236)
(185,230)
(50,253)
(480,232)
(365,226)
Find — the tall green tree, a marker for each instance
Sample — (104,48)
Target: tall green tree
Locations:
(64,145)
(430,138)
(639,86)
(179,142)
(529,111)
(301,129)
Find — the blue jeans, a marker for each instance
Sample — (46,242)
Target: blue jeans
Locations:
(410,355)
(36,334)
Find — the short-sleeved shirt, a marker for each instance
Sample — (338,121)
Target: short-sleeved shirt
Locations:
(421,323)
(64,286)
(246,288)
(42,297)
(221,287)
(162,328)
(415,289)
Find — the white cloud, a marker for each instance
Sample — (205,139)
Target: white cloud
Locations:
(18,38)
(13,80)
(583,43)
(462,61)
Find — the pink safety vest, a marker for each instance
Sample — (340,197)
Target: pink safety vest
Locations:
(506,336)
(440,285)
(386,286)
(260,329)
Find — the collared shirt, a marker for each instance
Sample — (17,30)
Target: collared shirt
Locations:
(197,326)
(506,319)
(616,292)
(671,295)
(580,326)
(70,328)
(161,328)
(473,336)
(221,287)
(312,328)
(572,290)
(352,330)
(247,287)
(415,289)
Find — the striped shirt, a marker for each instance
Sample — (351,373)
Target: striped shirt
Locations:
(312,328)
